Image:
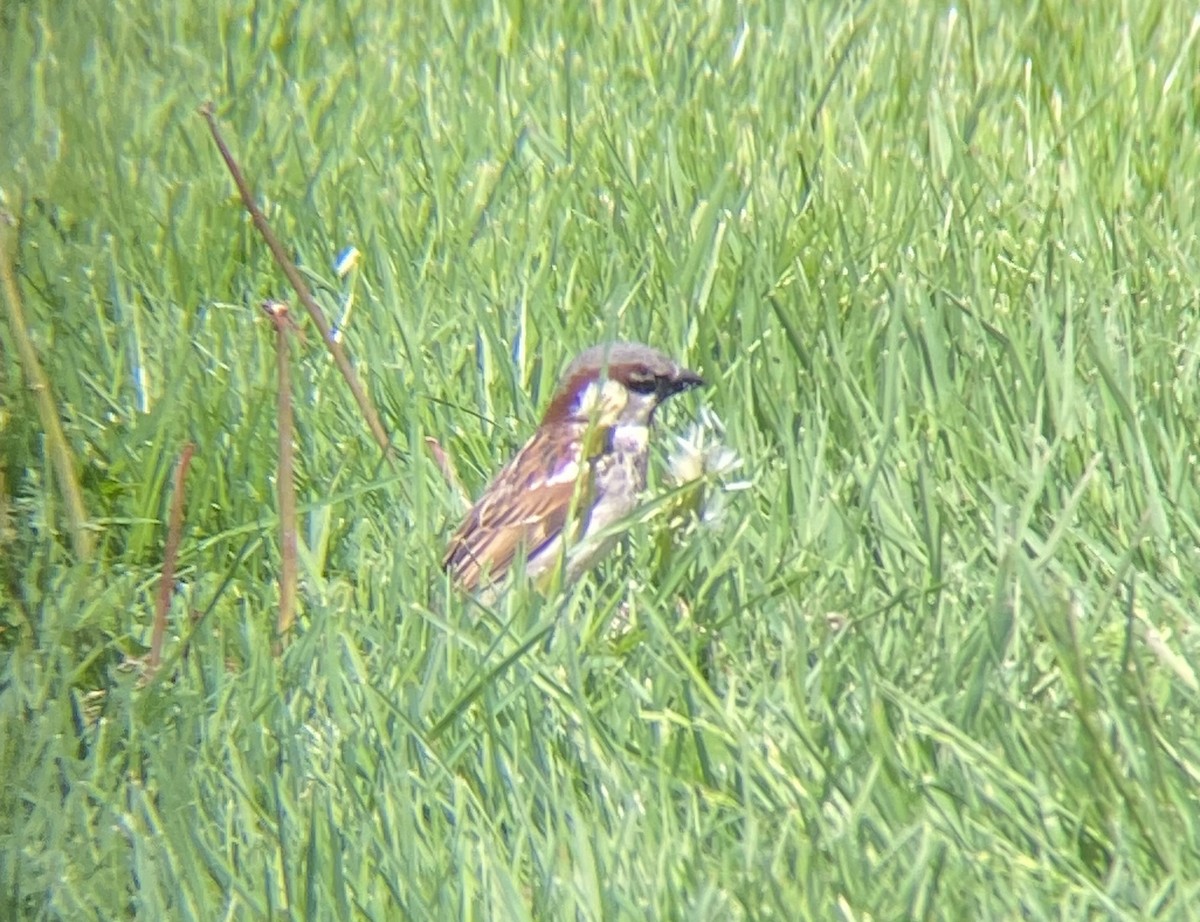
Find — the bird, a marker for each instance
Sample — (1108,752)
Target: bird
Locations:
(557,502)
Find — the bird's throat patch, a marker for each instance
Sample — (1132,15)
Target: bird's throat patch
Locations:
(601,403)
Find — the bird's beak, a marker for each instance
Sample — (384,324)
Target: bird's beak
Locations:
(683,380)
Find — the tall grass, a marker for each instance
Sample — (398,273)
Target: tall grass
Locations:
(940,265)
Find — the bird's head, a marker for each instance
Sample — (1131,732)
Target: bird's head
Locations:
(617,384)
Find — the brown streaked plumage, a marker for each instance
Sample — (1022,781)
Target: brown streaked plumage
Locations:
(586,463)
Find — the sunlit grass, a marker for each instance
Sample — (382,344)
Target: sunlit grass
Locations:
(939,266)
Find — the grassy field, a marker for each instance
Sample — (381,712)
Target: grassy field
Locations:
(941,266)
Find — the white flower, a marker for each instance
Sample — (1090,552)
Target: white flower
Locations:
(702,458)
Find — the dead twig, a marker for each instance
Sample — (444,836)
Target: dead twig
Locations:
(82,538)
(289,567)
(446,466)
(332,343)
(166,582)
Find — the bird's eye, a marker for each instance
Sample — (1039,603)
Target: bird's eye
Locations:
(641,383)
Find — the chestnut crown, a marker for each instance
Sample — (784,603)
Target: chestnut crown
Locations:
(647,376)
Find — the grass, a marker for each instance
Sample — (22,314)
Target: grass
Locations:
(940,265)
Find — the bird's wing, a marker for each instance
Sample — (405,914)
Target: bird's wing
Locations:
(523,510)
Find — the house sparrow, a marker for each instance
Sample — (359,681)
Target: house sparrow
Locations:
(580,472)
